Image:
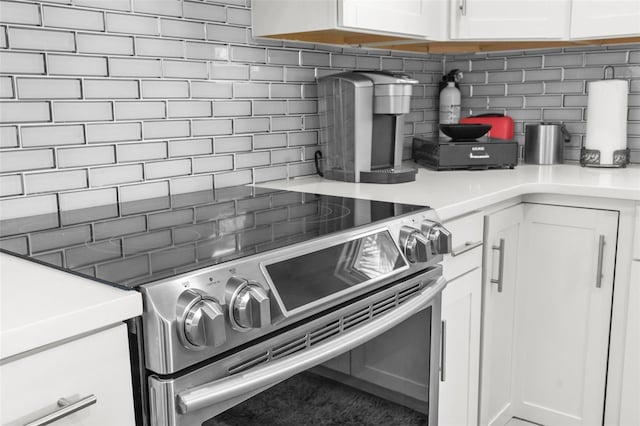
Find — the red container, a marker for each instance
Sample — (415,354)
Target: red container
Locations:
(501,125)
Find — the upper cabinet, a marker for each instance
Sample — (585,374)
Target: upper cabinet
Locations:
(610,18)
(509,20)
(346,21)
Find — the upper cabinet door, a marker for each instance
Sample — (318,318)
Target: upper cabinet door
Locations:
(605,18)
(509,19)
(407,17)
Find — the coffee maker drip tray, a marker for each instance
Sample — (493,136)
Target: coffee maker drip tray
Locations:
(446,154)
(391,175)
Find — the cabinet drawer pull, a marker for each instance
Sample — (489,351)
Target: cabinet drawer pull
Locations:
(498,281)
(66,408)
(468,246)
(600,260)
(443,352)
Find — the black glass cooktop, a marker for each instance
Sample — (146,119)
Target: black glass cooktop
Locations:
(134,243)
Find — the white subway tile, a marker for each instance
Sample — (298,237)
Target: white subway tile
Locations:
(368,62)
(10,185)
(250,90)
(164,169)
(302,169)
(104,44)
(62,17)
(231,108)
(189,147)
(144,191)
(269,173)
(525,88)
(77,65)
(32,206)
(8,137)
(159,47)
(6,88)
(563,60)
(564,87)
(49,88)
(111,89)
(606,58)
(564,114)
(315,58)
(55,181)
(115,175)
(248,54)
(303,138)
(225,180)
(266,73)
(525,62)
(113,132)
(269,107)
(185,69)
(307,107)
(541,75)
(271,140)
(52,135)
(239,16)
(124,5)
(141,151)
(165,89)
(13,12)
(226,33)
(300,74)
(283,57)
(286,91)
(253,159)
(224,71)
(24,112)
(165,129)
(505,77)
(119,227)
(250,125)
(35,39)
(87,199)
(139,110)
(3,37)
(211,127)
(82,111)
(212,163)
(344,61)
(86,156)
(132,24)
(286,123)
(187,109)
(135,67)
(158,7)
(394,64)
(186,186)
(209,90)
(209,51)
(182,29)
(26,160)
(232,144)
(204,11)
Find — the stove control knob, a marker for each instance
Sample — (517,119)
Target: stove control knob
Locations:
(204,324)
(438,236)
(249,306)
(415,244)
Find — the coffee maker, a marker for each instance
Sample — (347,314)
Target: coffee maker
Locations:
(362,125)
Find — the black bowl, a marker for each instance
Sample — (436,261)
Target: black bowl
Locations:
(465,132)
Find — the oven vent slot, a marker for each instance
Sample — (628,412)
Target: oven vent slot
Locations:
(317,336)
(356,318)
(408,292)
(289,347)
(249,363)
(384,305)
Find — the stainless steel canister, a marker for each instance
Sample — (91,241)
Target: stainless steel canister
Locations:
(544,143)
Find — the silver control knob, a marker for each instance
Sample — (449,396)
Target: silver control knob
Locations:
(249,305)
(415,244)
(438,236)
(201,321)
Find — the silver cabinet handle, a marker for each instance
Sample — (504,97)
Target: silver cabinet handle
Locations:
(443,352)
(462,5)
(600,260)
(480,156)
(66,408)
(468,246)
(499,281)
(209,394)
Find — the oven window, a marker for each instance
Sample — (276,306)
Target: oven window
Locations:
(311,277)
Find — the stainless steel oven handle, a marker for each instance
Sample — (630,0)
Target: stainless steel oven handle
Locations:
(274,372)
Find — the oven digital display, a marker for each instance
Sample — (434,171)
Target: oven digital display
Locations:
(305,279)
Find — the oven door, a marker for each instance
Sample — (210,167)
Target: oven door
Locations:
(381,349)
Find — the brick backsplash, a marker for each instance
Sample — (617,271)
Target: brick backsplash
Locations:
(124,99)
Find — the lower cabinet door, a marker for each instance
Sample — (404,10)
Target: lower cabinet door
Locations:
(38,384)
(629,407)
(460,363)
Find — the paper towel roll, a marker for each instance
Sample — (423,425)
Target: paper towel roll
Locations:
(607,105)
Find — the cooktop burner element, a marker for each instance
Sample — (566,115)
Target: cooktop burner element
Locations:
(134,243)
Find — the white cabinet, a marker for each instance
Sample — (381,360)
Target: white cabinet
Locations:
(98,365)
(501,247)
(509,20)
(335,21)
(604,18)
(565,286)
(460,364)
(629,407)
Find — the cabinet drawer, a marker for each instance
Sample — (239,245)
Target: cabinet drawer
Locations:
(466,232)
(97,365)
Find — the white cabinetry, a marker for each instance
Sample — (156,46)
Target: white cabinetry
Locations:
(98,365)
(604,18)
(629,407)
(509,20)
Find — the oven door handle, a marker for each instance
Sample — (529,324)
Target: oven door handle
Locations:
(274,372)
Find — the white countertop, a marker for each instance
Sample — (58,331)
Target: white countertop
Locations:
(40,305)
(453,193)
